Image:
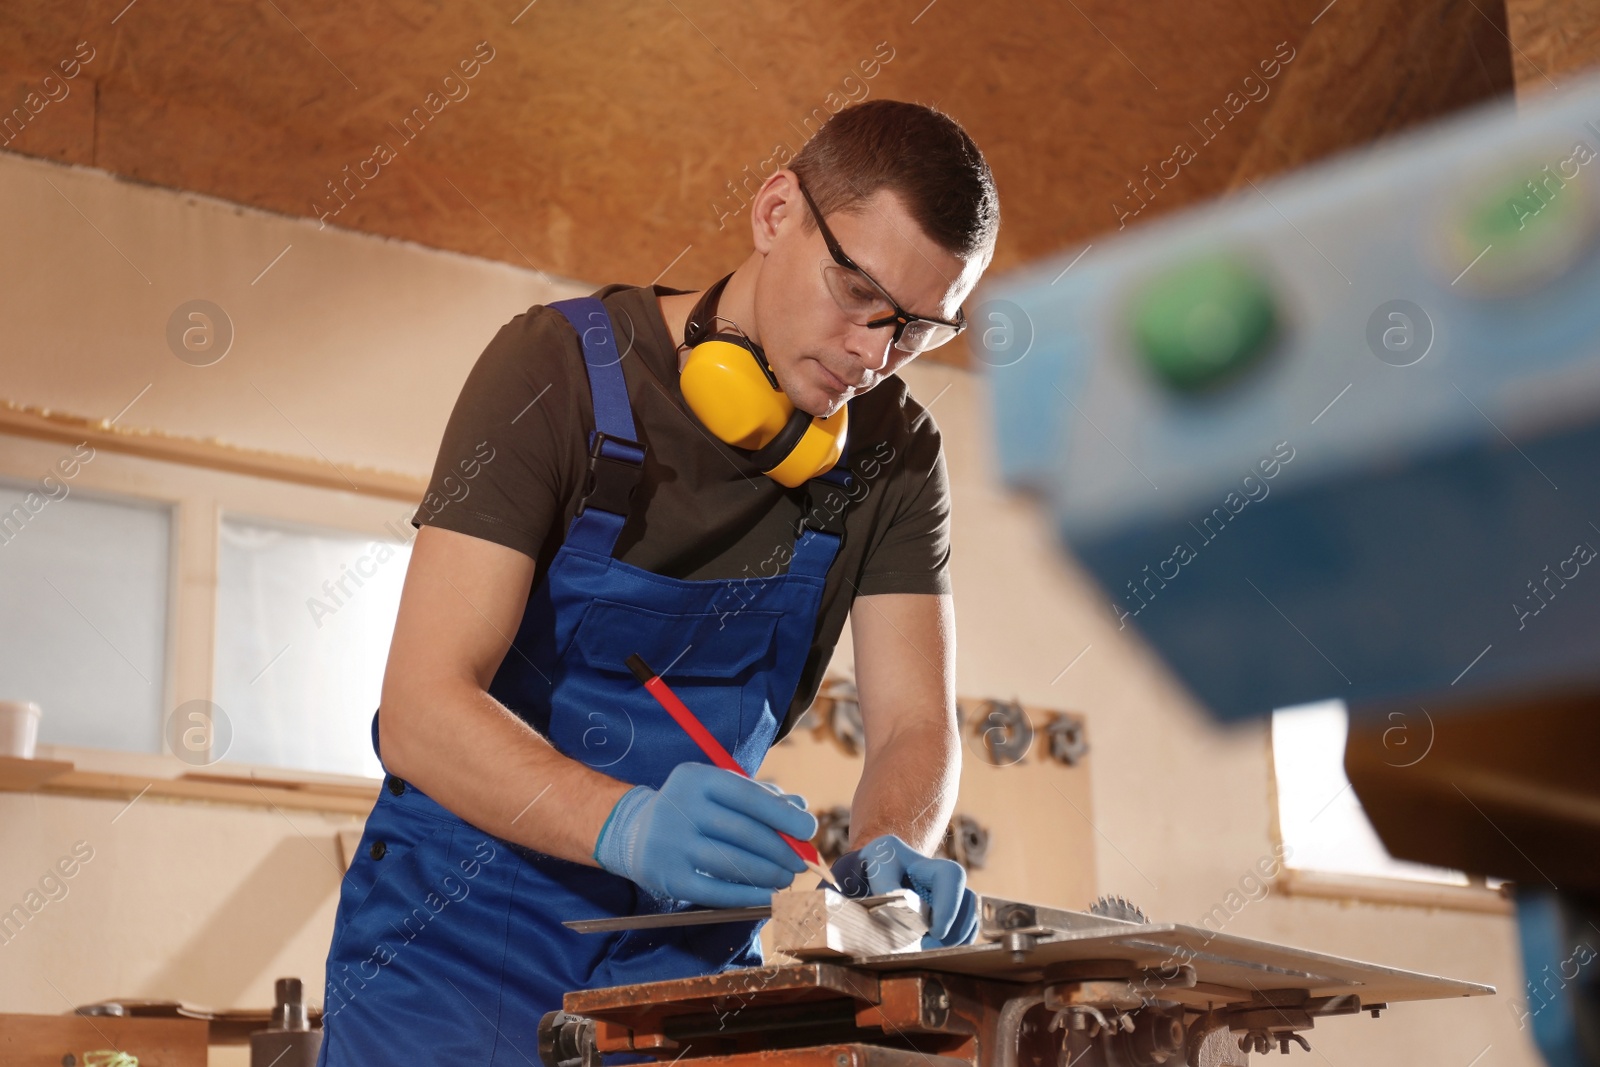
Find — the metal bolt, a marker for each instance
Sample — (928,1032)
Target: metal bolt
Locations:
(1019,944)
(842,1059)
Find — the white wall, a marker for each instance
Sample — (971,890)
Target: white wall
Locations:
(361,343)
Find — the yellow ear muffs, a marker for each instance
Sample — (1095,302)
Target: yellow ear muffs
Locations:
(734,394)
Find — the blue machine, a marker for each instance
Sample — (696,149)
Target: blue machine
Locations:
(1338,435)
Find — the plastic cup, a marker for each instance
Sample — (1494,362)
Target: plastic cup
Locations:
(19,728)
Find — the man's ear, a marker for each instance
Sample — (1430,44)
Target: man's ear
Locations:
(777,200)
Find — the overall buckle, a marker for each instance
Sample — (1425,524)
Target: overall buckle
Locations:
(826,503)
(612,479)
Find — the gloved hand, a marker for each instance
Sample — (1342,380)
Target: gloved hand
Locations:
(887,863)
(707,836)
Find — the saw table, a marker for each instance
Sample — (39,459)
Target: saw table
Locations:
(1040,987)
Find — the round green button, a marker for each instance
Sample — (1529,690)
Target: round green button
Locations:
(1205,321)
(1520,230)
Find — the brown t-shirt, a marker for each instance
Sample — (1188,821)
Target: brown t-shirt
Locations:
(514,460)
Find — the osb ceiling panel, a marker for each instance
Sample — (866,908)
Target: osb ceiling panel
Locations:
(610,141)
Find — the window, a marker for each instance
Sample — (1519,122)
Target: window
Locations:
(84,583)
(304,618)
(1319,816)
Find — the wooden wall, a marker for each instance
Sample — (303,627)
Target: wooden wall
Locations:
(614,141)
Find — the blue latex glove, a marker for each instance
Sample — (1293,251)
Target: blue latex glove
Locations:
(887,863)
(707,836)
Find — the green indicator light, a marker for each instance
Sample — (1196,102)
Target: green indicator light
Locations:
(1511,235)
(1204,322)
(1521,212)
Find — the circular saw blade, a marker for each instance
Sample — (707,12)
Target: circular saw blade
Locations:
(1118,908)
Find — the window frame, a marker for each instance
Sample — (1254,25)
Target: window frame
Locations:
(197,482)
(296,527)
(1476,896)
(10,474)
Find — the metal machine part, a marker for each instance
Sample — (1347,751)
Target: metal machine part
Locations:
(289,1041)
(289,1010)
(567,1041)
(1007,732)
(998,918)
(1068,742)
(1019,926)
(833,832)
(1041,985)
(1117,908)
(966,841)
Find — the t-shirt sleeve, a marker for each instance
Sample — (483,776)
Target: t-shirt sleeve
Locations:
(913,555)
(504,466)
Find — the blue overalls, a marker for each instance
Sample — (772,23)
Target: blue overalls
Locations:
(448,946)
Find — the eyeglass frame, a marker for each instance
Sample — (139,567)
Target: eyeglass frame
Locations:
(901,317)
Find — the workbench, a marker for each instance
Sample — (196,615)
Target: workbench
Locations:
(1041,987)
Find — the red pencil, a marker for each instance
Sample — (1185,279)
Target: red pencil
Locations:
(714,750)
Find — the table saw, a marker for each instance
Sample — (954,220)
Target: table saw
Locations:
(1039,987)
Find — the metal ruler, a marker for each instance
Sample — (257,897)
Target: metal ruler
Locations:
(695,917)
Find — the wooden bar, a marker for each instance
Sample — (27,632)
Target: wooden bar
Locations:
(51,1040)
(62,778)
(44,424)
(821,924)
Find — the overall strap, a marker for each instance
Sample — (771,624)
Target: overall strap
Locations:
(616,458)
(822,522)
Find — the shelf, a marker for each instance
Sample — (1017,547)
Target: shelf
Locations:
(19,775)
(63,778)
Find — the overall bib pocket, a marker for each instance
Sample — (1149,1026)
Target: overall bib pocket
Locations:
(715,661)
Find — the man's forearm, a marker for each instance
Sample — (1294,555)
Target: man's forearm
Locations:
(908,787)
(464,749)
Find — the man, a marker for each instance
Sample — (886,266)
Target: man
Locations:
(581,514)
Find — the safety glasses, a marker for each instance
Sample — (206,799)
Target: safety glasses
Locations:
(866,303)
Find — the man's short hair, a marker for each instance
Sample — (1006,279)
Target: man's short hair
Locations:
(921,154)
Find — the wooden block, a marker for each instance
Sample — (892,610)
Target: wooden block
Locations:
(45,1040)
(821,924)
